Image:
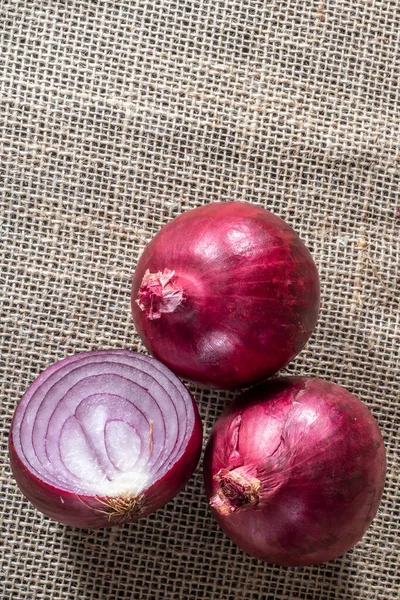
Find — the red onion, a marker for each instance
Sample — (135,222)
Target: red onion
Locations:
(225,294)
(102,438)
(294,470)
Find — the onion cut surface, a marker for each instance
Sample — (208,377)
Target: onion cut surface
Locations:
(294,471)
(225,294)
(104,437)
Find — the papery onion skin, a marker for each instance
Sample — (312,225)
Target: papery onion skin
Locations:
(294,471)
(225,295)
(93,511)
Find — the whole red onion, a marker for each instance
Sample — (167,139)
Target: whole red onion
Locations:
(102,438)
(294,470)
(225,294)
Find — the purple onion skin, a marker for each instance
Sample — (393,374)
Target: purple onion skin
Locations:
(89,512)
(294,471)
(250,295)
(65,507)
(94,511)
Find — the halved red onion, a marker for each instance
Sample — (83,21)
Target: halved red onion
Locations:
(105,437)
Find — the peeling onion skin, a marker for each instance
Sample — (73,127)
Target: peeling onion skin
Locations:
(93,511)
(225,295)
(294,471)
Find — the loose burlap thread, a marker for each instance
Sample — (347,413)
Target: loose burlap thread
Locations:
(114,118)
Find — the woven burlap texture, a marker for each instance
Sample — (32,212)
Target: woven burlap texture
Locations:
(114,118)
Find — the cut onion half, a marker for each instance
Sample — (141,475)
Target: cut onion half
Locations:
(102,438)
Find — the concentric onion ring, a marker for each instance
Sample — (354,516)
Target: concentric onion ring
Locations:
(104,437)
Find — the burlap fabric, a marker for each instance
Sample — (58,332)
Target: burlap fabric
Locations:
(116,117)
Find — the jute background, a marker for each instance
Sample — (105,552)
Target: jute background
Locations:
(114,118)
